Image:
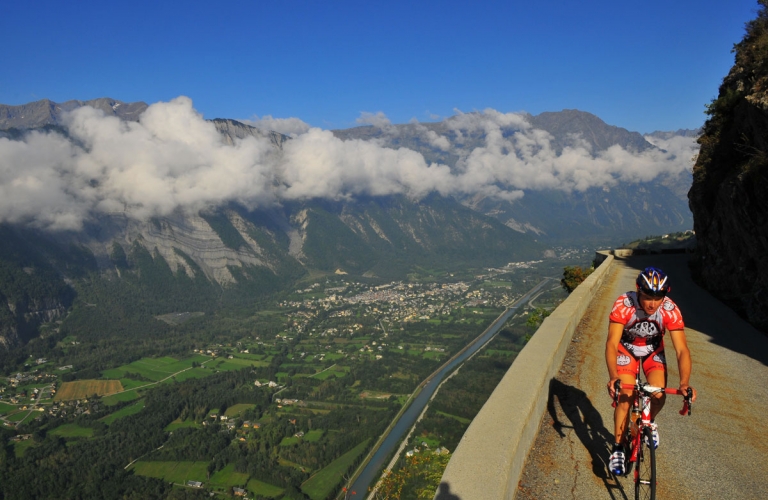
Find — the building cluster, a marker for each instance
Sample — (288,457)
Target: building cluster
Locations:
(399,302)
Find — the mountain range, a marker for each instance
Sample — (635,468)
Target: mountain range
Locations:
(231,248)
(593,216)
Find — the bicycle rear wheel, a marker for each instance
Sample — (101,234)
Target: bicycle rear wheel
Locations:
(645,469)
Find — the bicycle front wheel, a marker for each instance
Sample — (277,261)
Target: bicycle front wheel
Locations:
(645,470)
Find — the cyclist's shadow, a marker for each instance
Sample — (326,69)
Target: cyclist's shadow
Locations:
(588,425)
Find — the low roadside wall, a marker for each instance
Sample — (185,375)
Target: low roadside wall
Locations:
(489,460)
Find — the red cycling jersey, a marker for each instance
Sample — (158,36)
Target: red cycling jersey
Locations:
(643,334)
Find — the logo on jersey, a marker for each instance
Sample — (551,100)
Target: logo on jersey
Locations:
(644,329)
(627,302)
(660,358)
(622,360)
(668,305)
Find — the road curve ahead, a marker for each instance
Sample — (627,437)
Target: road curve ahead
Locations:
(718,452)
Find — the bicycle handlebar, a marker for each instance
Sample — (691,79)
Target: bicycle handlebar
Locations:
(650,390)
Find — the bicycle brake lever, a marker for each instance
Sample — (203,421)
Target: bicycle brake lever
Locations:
(616,390)
(687,404)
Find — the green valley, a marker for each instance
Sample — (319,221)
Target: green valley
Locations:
(283,401)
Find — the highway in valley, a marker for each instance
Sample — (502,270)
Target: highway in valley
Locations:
(372,466)
(718,452)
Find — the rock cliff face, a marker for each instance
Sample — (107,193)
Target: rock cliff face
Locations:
(596,132)
(45,112)
(32,291)
(233,129)
(189,234)
(729,195)
(28,316)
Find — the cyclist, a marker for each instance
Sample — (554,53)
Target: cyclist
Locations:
(636,329)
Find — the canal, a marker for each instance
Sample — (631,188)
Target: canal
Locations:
(373,468)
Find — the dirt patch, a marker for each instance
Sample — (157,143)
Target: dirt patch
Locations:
(374,395)
(81,389)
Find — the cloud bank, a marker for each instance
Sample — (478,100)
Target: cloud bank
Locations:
(173,159)
(291,127)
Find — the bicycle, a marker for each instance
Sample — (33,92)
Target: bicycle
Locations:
(639,436)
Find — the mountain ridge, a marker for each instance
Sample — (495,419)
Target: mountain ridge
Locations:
(46,112)
(233,253)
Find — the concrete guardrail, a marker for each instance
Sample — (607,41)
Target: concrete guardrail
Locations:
(489,460)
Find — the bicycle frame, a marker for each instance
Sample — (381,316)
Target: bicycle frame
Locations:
(641,399)
(639,427)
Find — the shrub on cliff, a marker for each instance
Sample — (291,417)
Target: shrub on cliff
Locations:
(573,276)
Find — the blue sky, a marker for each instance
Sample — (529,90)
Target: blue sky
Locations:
(644,66)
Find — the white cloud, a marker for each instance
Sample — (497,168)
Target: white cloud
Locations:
(173,159)
(318,164)
(288,126)
(35,185)
(389,131)
(378,119)
(517,156)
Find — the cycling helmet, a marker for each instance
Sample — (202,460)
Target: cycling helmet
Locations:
(653,282)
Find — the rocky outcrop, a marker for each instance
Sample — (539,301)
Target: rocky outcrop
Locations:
(27,316)
(233,129)
(730,182)
(46,112)
(598,134)
(180,232)
(9,336)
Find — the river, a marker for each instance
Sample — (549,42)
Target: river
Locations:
(372,469)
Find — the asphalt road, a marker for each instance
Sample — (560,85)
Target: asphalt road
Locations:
(719,452)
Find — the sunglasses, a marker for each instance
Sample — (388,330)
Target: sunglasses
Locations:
(653,295)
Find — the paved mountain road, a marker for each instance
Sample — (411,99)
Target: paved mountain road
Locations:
(721,451)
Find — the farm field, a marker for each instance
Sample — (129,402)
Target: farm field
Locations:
(81,389)
(322,484)
(227,477)
(179,424)
(132,384)
(252,357)
(314,435)
(22,416)
(154,369)
(191,373)
(120,396)
(20,447)
(463,420)
(5,408)
(290,441)
(235,410)
(72,431)
(335,371)
(287,463)
(173,472)
(124,412)
(235,364)
(264,489)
